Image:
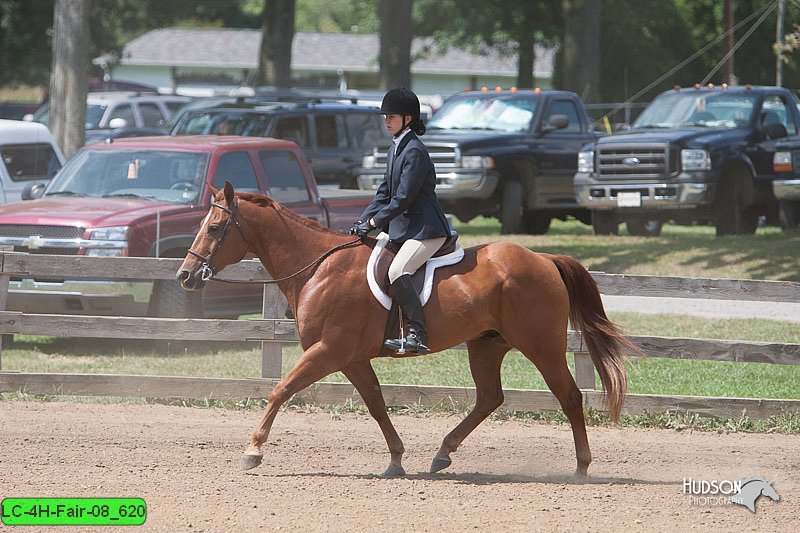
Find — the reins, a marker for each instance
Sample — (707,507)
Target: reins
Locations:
(207,273)
(290,276)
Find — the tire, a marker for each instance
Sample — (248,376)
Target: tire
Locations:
(644,227)
(511,212)
(605,223)
(788,214)
(734,212)
(538,222)
(169,300)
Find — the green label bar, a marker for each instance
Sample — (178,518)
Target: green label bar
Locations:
(73,511)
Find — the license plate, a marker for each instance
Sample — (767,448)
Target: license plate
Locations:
(629,199)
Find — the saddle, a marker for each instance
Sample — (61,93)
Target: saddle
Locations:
(382,255)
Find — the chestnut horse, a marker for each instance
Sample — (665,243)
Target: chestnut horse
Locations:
(500,296)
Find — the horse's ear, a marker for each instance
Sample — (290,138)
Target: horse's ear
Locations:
(228,192)
(214,191)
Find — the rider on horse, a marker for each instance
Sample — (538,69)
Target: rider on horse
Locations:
(405,206)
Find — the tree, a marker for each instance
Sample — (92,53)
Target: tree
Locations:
(69,80)
(277,33)
(394,56)
(581,48)
(510,27)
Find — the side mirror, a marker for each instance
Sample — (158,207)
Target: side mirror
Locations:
(556,122)
(115,123)
(774,131)
(33,191)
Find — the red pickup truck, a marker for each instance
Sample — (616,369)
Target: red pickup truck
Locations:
(146,197)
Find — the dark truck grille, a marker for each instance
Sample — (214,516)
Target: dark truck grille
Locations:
(636,161)
(796,160)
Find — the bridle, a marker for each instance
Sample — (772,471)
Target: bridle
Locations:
(207,273)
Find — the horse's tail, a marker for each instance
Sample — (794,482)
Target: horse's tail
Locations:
(607,345)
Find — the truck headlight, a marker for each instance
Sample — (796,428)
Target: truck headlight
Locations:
(368,161)
(111,233)
(586,161)
(782,162)
(695,160)
(477,161)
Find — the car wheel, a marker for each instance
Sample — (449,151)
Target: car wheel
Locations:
(538,222)
(643,227)
(734,213)
(605,223)
(788,214)
(169,300)
(511,213)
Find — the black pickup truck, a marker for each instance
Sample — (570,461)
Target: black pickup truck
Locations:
(696,155)
(508,154)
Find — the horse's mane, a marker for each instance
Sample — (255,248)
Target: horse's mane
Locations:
(264,201)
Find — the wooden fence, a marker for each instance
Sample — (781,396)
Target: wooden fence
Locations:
(272,331)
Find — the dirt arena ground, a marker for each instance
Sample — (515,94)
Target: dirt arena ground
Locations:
(319,472)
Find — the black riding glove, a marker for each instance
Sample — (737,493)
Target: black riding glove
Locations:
(361,228)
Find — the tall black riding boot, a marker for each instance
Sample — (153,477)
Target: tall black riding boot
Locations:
(417,338)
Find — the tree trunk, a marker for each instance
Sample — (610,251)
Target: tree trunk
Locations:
(277,34)
(394,57)
(526,77)
(581,52)
(69,79)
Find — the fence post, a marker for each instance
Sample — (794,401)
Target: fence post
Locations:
(584,371)
(274,306)
(4,280)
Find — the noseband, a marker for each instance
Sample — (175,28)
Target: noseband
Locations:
(206,272)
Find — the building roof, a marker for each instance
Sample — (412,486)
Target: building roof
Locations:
(350,52)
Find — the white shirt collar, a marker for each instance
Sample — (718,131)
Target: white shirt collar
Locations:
(396,140)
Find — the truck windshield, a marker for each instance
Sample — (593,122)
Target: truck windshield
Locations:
(476,113)
(162,175)
(698,108)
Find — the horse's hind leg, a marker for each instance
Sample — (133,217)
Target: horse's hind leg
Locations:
(485,359)
(363,378)
(316,363)
(552,363)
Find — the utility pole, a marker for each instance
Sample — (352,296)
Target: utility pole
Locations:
(779,40)
(729,76)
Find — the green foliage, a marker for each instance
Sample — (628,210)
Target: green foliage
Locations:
(25,42)
(355,16)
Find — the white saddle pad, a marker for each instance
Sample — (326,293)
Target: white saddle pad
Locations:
(430,267)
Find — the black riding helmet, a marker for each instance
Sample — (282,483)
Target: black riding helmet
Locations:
(402,101)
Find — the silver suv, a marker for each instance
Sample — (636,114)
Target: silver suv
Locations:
(107,111)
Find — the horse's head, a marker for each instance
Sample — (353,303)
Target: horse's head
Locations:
(219,242)
(768,490)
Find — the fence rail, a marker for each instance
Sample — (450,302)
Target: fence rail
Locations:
(272,332)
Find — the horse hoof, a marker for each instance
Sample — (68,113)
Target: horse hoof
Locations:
(394,471)
(440,463)
(250,461)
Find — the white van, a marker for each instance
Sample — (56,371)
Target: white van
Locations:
(28,156)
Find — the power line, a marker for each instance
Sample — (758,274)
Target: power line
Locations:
(771,8)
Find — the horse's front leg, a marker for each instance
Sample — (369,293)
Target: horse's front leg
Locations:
(363,378)
(316,363)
